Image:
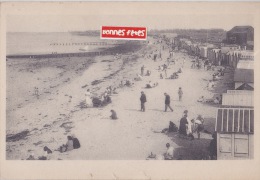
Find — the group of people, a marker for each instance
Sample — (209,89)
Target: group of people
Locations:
(72,143)
(188,127)
(216,100)
(175,75)
(151,85)
(167,101)
(217,76)
(103,100)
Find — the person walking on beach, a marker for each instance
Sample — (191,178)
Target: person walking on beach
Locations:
(143,100)
(142,70)
(180,93)
(167,102)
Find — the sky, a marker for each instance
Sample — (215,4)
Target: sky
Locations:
(59,23)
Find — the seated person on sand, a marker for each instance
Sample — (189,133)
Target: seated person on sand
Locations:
(221,72)
(172,128)
(115,91)
(210,85)
(148,73)
(149,85)
(109,90)
(76,143)
(201,99)
(138,77)
(180,70)
(68,146)
(97,102)
(106,100)
(128,83)
(216,77)
(168,155)
(216,100)
(155,84)
(113,114)
(121,84)
(174,76)
(165,67)
(161,76)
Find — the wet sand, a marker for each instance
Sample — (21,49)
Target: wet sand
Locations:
(57,113)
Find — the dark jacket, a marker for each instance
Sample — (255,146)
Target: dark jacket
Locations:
(167,99)
(76,143)
(143,98)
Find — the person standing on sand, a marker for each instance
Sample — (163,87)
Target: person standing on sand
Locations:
(142,70)
(189,125)
(165,72)
(143,100)
(180,93)
(167,102)
(89,102)
(183,126)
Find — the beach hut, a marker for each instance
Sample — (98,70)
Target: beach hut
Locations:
(242,96)
(235,133)
(242,76)
(244,64)
(216,56)
(210,54)
(233,58)
(225,53)
(247,55)
(203,51)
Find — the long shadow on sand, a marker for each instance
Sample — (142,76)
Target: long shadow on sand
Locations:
(159,110)
(196,149)
(190,149)
(138,110)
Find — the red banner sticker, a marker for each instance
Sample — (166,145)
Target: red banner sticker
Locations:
(134,33)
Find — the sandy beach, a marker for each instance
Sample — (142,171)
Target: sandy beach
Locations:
(58,112)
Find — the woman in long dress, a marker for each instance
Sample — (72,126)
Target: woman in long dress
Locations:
(88,99)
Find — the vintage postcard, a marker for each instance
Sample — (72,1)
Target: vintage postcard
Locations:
(129,90)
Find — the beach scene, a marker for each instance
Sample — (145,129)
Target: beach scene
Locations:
(73,96)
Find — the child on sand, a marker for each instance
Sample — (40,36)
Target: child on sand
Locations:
(113,115)
(168,155)
(199,125)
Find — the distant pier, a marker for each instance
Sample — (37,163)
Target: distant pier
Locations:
(59,55)
(82,44)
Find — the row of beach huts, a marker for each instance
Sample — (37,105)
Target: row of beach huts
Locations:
(217,54)
(235,117)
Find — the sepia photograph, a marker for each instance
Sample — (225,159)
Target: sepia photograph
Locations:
(84,86)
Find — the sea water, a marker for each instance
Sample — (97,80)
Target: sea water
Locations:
(24,43)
